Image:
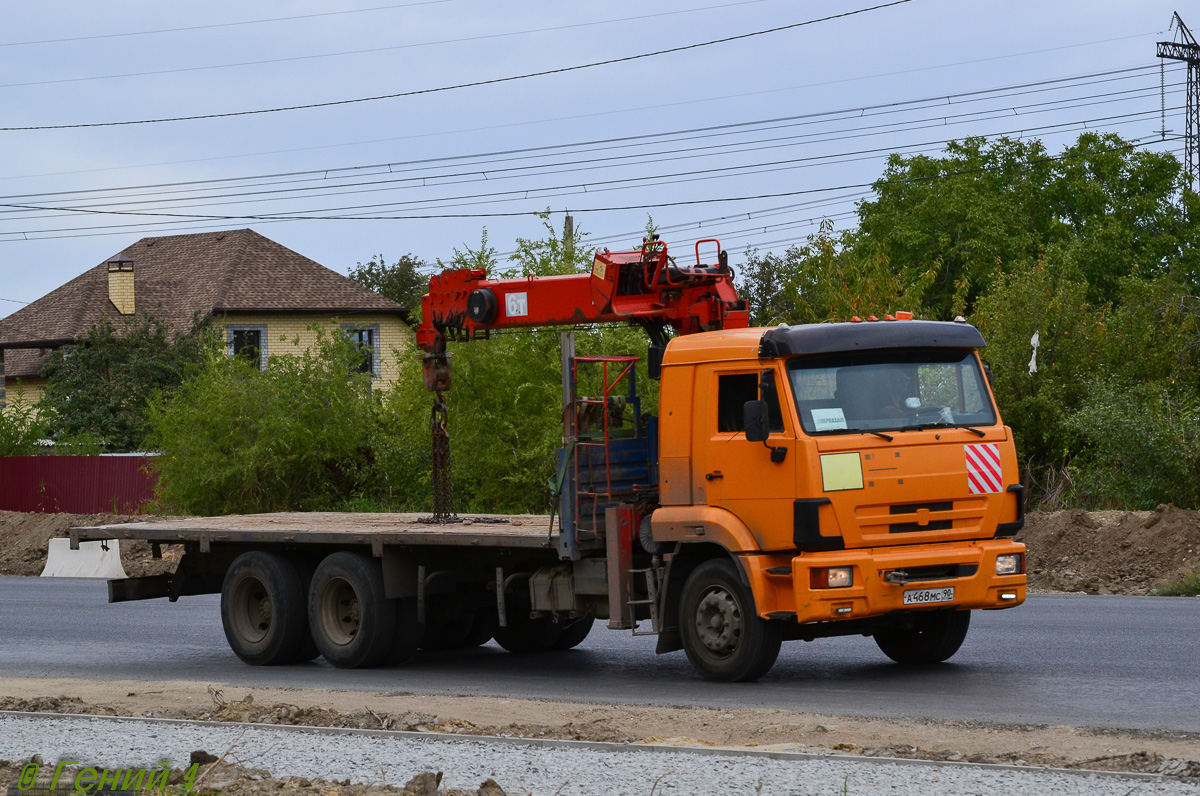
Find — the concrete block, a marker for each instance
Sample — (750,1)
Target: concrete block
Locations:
(91,560)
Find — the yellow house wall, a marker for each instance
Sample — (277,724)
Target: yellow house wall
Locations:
(23,391)
(290,334)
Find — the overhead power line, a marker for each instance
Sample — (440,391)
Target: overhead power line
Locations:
(110,231)
(486,82)
(537,194)
(643,206)
(370,50)
(213,25)
(472,163)
(588,164)
(425,207)
(658,106)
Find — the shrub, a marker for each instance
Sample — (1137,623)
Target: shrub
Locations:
(20,427)
(297,436)
(1139,446)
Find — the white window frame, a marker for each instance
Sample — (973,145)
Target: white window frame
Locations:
(373,328)
(249,327)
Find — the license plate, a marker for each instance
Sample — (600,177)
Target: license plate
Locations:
(926,596)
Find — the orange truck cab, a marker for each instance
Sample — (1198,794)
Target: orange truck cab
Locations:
(832,479)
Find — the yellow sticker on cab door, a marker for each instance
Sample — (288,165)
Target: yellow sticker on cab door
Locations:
(841,471)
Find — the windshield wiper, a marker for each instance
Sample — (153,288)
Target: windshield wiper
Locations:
(879,434)
(927,426)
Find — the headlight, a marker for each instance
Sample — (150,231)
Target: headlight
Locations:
(831,577)
(1011,564)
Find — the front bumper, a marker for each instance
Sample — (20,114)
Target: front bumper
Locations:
(785,585)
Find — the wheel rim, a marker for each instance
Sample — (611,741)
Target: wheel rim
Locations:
(253,611)
(719,621)
(341,614)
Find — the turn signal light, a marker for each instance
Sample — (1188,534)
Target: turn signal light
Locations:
(830,577)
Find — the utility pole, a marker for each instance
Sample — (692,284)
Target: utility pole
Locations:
(569,238)
(1185,48)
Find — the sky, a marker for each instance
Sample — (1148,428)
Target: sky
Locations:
(753,140)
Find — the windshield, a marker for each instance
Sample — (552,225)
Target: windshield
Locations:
(889,390)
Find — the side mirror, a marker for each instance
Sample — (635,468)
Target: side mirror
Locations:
(756,422)
(987,371)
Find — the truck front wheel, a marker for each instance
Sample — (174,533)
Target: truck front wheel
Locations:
(926,637)
(352,621)
(723,635)
(262,609)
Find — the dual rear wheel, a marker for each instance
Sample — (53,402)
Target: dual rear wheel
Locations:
(276,609)
(279,609)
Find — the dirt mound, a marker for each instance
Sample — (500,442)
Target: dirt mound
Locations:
(1111,552)
(24,540)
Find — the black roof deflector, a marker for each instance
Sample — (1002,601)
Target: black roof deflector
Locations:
(832,338)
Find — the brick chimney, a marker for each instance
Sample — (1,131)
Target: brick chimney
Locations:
(120,284)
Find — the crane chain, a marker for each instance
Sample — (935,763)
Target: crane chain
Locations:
(443,487)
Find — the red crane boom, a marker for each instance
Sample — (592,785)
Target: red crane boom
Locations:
(644,286)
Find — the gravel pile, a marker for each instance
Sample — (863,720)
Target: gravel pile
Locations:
(537,768)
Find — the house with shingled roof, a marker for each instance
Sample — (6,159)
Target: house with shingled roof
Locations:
(261,296)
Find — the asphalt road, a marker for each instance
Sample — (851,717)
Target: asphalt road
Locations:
(1131,662)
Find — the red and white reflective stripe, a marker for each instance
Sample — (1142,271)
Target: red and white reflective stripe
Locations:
(984,475)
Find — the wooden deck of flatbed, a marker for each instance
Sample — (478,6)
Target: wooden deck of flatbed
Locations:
(474,530)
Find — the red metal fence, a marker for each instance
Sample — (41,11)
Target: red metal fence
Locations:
(75,484)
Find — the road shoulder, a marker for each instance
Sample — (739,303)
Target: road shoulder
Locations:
(1174,753)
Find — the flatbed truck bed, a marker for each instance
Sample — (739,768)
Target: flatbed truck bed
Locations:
(472,530)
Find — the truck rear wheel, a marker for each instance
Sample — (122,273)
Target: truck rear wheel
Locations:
(723,636)
(524,633)
(482,629)
(926,637)
(448,626)
(353,623)
(262,609)
(574,633)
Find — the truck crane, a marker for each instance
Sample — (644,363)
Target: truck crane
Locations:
(796,483)
(643,287)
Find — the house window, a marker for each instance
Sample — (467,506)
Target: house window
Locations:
(366,340)
(733,391)
(249,343)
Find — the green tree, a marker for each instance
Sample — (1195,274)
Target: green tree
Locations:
(824,279)
(986,207)
(101,385)
(555,253)
(762,282)
(1049,299)
(403,281)
(484,257)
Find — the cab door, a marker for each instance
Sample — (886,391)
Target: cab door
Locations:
(733,473)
